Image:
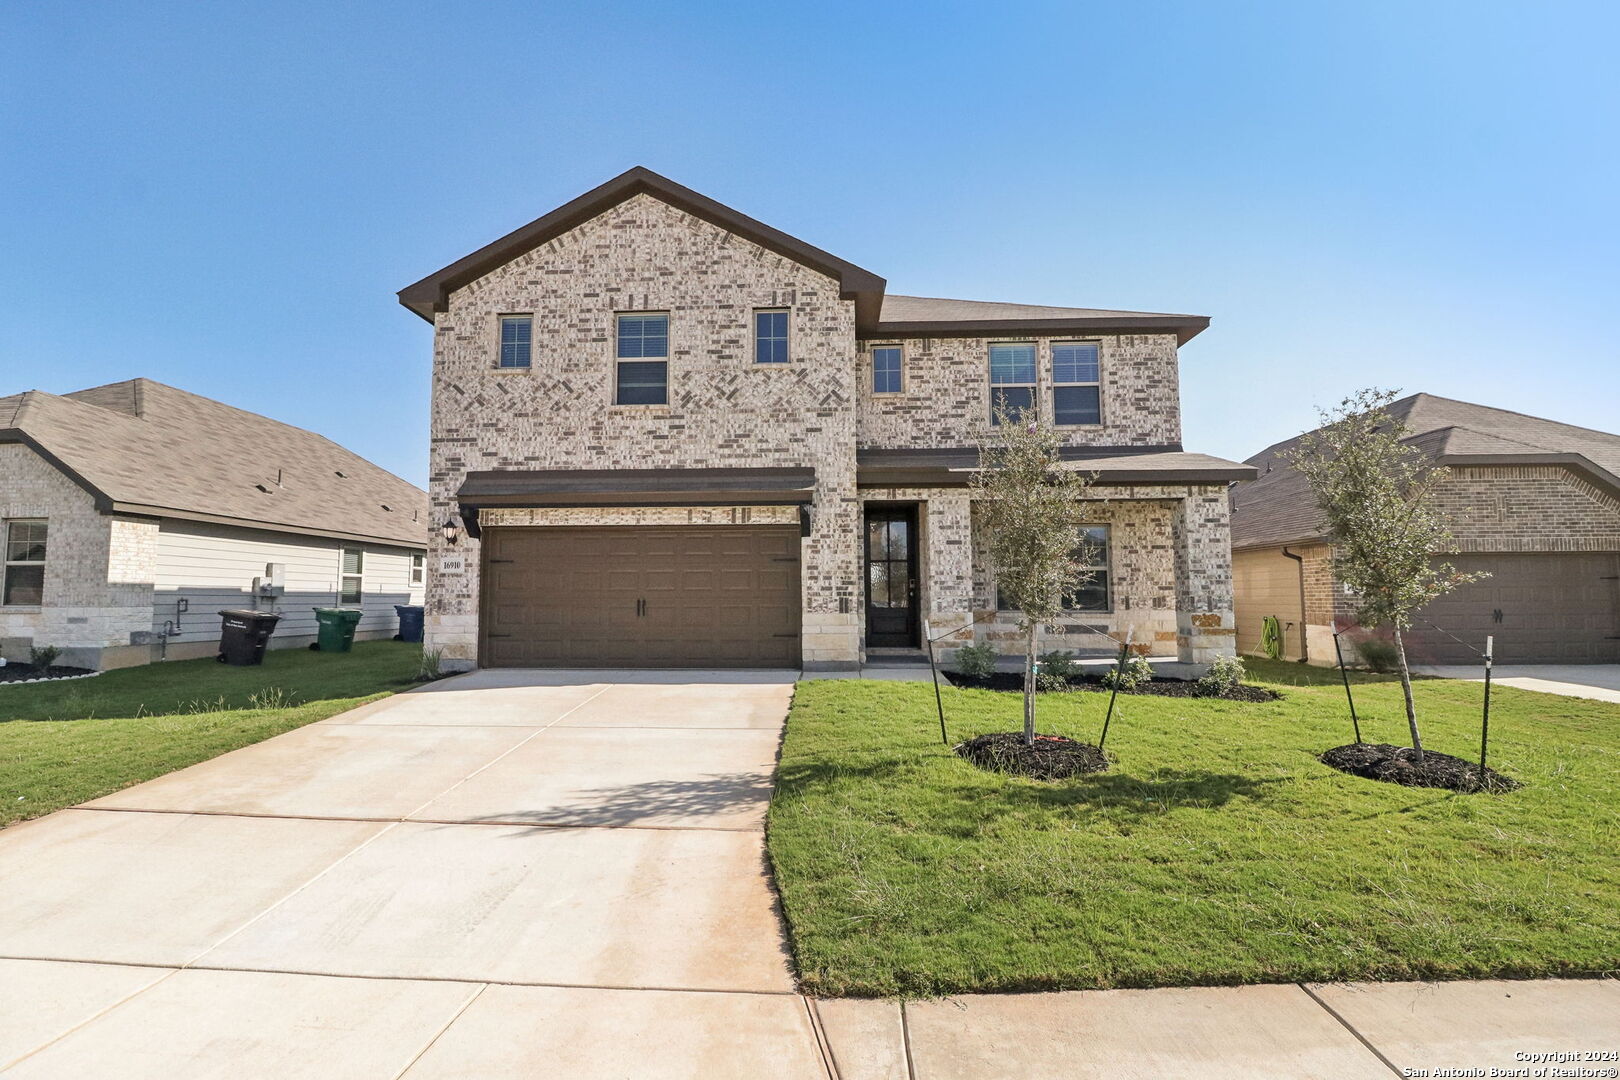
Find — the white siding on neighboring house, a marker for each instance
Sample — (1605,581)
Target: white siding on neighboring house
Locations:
(213,567)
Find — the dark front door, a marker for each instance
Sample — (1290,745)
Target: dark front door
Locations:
(891,576)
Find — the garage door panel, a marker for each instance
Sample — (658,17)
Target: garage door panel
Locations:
(1541,608)
(712,596)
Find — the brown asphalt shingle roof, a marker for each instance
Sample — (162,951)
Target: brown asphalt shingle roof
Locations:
(1278,508)
(934,309)
(144,447)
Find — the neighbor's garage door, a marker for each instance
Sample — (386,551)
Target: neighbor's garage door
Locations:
(1554,609)
(654,596)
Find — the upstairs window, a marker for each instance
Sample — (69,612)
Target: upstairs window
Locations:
(24,568)
(351,585)
(886,369)
(1012,381)
(418,569)
(642,375)
(517,332)
(771,337)
(1076,383)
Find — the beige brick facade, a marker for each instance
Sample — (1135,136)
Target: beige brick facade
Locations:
(1172,572)
(945,392)
(724,410)
(1528,508)
(99,571)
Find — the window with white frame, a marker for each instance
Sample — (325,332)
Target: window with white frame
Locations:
(1012,381)
(517,337)
(771,336)
(642,360)
(888,368)
(351,586)
(418,568)
(24,569)
(1076,383)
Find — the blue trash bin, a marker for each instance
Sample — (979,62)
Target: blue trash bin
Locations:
(410,622)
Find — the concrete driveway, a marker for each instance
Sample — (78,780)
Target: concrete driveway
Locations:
(1600,682)
(503,874)
(562,874)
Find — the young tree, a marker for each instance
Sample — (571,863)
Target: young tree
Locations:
(1376,495)
(1031,514)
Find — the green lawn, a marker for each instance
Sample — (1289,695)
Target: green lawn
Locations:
(1216,850)
(63,743)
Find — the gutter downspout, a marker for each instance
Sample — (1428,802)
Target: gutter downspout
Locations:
(1304,632)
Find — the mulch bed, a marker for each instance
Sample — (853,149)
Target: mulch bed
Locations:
(1014,681)
(1053,757)
(15,672)
(1399,765)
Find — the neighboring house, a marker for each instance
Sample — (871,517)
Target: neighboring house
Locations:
(1534,503)
(673,435)
(132,513)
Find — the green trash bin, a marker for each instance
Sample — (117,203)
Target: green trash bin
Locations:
(336,628)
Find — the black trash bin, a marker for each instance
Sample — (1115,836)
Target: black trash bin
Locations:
(410,622)
(244,636)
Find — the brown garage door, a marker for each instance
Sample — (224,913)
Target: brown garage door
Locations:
(1542,609)
(653,596)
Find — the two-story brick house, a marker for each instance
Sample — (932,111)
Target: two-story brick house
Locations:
(667,434)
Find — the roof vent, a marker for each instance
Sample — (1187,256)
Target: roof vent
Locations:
(386,507)
(340,474)
(262,488)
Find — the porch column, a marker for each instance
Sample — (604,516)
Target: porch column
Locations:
(948,536)
(1205,624)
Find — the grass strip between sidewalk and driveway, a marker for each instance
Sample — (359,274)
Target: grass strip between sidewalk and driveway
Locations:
(1217,849)
(64,743)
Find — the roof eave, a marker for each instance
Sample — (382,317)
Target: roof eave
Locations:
(1185,327)
(153,511)
(431,295)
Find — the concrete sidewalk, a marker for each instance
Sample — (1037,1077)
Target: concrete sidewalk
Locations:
(1600,682)
(520,874)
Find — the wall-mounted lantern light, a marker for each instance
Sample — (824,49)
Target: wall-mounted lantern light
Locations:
(451,530)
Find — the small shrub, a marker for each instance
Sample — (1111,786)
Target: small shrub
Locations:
(43,656)
(1136,671)
(1060,663)
(431,666)
(1225,675)
(1055,668)
(976,661)
(1378,654)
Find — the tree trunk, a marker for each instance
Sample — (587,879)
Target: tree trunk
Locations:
(1029,688)
(1406,688)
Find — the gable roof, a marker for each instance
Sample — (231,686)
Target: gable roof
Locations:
(1279,508)
(875,313)
(432,293)
(141,447)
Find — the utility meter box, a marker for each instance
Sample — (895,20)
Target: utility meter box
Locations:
(274,581)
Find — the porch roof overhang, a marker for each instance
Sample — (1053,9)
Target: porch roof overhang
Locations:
(598,488)
(1113,465)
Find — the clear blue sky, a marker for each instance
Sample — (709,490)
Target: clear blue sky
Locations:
(225,197)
